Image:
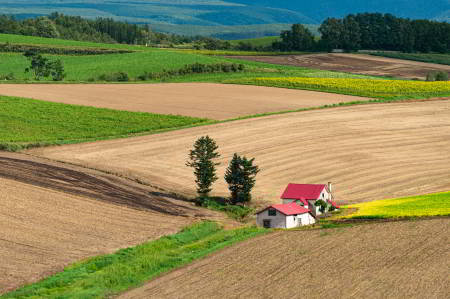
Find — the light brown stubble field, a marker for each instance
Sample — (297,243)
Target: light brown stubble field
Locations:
(369,152)
(409,259)
(207,100)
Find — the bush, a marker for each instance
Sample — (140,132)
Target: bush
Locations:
(8,77)
(437,76)
(442,76)
(237,212)
(114,77)
(322,205)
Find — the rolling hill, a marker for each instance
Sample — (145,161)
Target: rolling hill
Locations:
(219,18)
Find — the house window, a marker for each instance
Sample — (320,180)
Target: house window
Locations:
(272,212)
(266,223)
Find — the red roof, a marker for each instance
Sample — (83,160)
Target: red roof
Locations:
(288,209)
(335,205)
(303,191)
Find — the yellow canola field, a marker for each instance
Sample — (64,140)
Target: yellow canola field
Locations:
(363,87)
(437,204)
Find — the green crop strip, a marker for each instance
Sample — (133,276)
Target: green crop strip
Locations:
(27,123)
(106,275)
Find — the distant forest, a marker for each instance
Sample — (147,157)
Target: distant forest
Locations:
(369,31)
(104,30)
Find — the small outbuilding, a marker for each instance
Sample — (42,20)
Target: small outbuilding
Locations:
(284,216)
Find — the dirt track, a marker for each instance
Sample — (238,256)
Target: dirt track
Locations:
(390,260)
(54,214)
(369,152)
(214,101)
(356,63)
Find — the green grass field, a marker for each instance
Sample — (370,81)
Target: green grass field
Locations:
(257,42)
(437,204)
(34,40)
(107,275)
(431,58)
(26,123)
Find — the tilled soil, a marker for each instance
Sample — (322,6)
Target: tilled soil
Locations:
(369,152)
(409,259)
(54,214)
(356,63)
(213,101)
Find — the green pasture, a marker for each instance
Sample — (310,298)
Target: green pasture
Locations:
(26,123)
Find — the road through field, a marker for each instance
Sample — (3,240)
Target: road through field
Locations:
(356,63)
(213,101)
(369,151)
(408,259)
(52,215)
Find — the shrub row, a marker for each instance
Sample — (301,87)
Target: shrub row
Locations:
(21,48)
(196,68)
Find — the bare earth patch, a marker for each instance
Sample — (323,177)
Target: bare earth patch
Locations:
(389,260)
(369,151)
(213,101)
(53,215)
(356,63)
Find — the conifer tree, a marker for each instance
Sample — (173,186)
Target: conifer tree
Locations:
(201,159)
(240,176)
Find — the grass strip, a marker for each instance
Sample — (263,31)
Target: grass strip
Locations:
(111,274)
(29,123)
(436,204)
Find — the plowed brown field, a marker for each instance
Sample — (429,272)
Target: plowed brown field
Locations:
(356,63)
(213,101)
(369,151)
(52,215)
(389,260)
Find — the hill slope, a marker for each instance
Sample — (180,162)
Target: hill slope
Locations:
(216,13)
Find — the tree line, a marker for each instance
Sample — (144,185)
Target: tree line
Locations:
(103,30)
(370,31)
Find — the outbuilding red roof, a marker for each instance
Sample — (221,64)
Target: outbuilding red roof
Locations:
(303,191)
(288,209)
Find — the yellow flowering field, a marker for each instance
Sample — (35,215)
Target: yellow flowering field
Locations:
(361,87)
(437,204)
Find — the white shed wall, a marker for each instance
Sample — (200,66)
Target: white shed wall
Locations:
(278,221)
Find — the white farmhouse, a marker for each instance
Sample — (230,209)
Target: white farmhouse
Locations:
(306,195)
(298,207)
(284,216)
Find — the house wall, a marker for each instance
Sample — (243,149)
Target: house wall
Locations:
(306,219)
(278,221)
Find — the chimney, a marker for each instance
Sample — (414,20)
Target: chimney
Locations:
(329,187)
